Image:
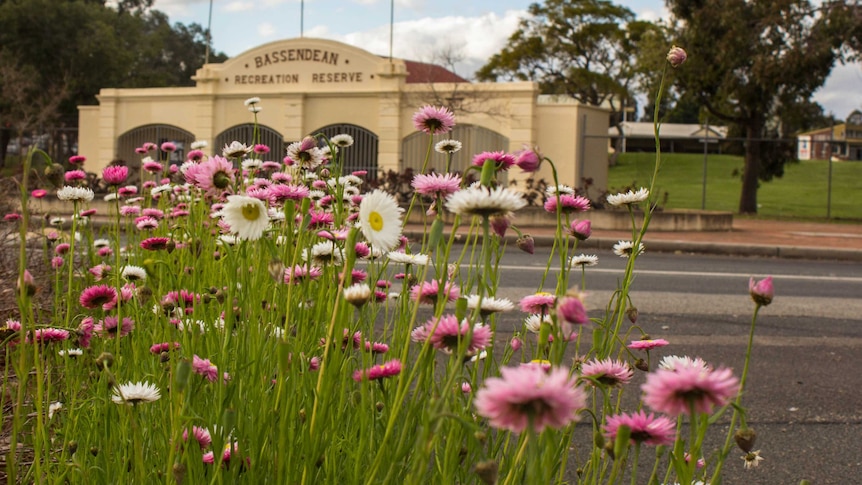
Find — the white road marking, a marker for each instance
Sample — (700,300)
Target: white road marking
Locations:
(847,279)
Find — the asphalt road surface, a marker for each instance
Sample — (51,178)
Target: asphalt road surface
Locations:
(804,393)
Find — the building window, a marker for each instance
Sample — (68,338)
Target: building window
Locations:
(245,134)
(362,155)
(158,134)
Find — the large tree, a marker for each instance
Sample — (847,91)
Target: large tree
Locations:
(70,49)
(756,64)
(580,48)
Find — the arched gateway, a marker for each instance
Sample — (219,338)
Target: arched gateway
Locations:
(314,84)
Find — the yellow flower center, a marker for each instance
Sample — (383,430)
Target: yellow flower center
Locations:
(251,212)
(375,220)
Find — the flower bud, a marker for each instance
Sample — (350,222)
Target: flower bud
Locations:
(745,439)
(27,284)
(761,291)
(72,447)
(632,314)
(527,244)
(515,343)
(641,364)
(582,229)
(487,472)
(105,359)
(676,56)
(528,159)
(500,224)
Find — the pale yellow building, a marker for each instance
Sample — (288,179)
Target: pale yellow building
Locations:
(309,86)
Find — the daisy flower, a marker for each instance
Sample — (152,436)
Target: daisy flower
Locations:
(380,220)
(433,120)
(75,194)
(567,203)
(674,362)
(540,302)
(611,373)
(481,201)
(342,140)
(306,153)
(388,369)
(357,294)
(527,395)
(324,252)
(404,258)
(246,216)
(435,184)
(624,249)
(534,322)
(584,260)
(688,388)
(644,428)
(447,332)
(447,146)
(98,296)
(135,393)
(628,198)
(236,150)
(489,304)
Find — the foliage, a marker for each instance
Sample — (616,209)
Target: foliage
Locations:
(750,63)
(579,48)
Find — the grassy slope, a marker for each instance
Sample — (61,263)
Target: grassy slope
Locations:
(800,193)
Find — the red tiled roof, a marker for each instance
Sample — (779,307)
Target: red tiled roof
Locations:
(421,72)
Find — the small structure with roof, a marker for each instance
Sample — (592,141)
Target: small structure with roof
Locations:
(838,142)
(639,136)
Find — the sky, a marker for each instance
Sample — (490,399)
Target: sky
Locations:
(469,30)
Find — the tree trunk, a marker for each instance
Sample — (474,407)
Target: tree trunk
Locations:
(5,138)
(751,173)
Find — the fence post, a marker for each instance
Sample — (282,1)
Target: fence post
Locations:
(705,155)
(829,174)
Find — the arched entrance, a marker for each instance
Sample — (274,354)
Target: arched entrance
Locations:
(363,154)
(155,133)
(474,139)
(245,134)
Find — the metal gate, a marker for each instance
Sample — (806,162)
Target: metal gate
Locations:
(474,139)
(362,155)
(158,134)
(245,134)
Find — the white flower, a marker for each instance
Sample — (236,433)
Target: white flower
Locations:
(534,322)
(752,460)
(562,189)
(101,243)
(490,304)
(255,109)
(343,140)
(380,220)
(624,249)
(481,201)
(75,194)
(584,260)
(246,216)
(324,252)
(53,408)
(134,273)
(251,164)
(348,180)
(357,294)
(674,362)
(161,188)
(447,146)
(135,393)
(199,145)
(251,101)
(186,165)
(70,352)
(57,221)
(236,150)
(110,197)
(629,197)
(404,258)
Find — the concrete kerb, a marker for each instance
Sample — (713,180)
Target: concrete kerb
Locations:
(692,247)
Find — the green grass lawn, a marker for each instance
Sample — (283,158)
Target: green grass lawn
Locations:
(800,193)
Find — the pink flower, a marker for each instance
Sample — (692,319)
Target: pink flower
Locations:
(201,435)
(62,248)
(195,155)
(388,369)
(111,326)
(571,310)
(568,203)
(539,303)
(529,395)
(169,146)
(298,274)
(647,344)
(436,184)
(77,159)
(608,372)
(127,190)
(261,149)
(676,56)
(433,120)
(678,391)
(149,146)
(428,291)
(57,262)
(85,332)
(48,335)
(73,175)
(501,160)
(644,428)
(88,212)
(528,159)
(152,166)
(581,229)
(11,217)
(279,193)
(761,291)
(213,176)
(205,368)
(39,193)
(515,343)
(164,347)
(115,175)
(155,243)
(99,295)
(446,333)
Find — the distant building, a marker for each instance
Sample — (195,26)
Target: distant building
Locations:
(838,142)
(674,137)
(309,86)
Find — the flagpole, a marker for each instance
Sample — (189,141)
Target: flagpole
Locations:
(209,34)
(391,27)
(302,18)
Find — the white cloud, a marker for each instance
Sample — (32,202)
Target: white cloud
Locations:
(238,6)
(265,29)
(842,94)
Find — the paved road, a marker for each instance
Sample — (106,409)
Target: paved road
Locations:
(805,386)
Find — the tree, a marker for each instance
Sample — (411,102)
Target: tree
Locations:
(755,63)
